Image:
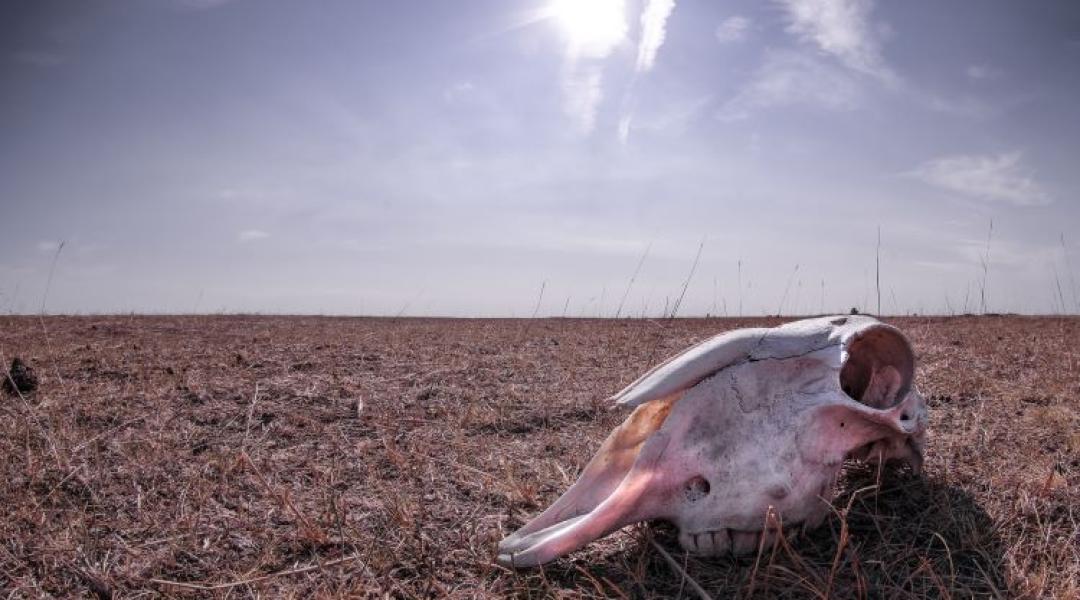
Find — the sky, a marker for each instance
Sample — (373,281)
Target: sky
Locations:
(557,158)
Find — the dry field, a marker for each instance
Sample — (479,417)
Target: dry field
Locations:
(296,457)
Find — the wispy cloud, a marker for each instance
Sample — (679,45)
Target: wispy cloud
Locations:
(1013,253)
(733,29)
(624,127)
(996,177)
(458,91)
(966,106)
(48,246)
(38,59)
(982,72)
(251,235)
(793,79)
(593,29)
(672,120)
(842,29)
(675,117)
(653,30)
(654,17)
(582,93)
(199,4)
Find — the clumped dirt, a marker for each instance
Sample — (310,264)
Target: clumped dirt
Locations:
(20,378)
(296,457)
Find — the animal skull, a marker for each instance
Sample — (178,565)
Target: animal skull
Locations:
(740,433)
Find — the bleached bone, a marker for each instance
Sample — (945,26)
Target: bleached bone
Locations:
(749,423)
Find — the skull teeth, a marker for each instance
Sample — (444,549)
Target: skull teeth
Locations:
(715,542)
(706,543)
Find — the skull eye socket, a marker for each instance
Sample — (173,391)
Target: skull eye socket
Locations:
(879,368)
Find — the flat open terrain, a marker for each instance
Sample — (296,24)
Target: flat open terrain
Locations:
(290,457)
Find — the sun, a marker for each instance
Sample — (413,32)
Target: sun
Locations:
(593,27)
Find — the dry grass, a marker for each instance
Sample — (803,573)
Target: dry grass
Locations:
(388,456)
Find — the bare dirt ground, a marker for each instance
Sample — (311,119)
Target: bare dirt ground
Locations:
(297,457)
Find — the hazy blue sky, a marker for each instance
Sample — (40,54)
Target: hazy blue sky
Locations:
(450,157)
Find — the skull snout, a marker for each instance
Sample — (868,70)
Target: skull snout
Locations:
(905,434)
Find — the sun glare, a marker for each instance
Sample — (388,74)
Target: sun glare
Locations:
(593,27)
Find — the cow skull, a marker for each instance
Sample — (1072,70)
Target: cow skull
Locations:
(738,434)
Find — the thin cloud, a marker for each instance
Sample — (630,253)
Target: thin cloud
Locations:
(458,91)
(582,93)
(997,177)
(654,19)
(593,32)
(251,235)
(653,31)
(39,59)
(624,128)
(582,82)
(793,79)
(981,72)
(842,29)
(966,106)
(200,4)
(733,29)
(674,118)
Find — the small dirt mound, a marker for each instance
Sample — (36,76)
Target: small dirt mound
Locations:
(20,378)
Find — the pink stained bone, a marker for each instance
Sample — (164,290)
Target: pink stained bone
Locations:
(744,425)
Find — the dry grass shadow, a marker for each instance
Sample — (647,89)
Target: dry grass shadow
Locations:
(910,537)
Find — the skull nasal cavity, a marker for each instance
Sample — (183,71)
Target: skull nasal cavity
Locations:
(879,368)
(696,489)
